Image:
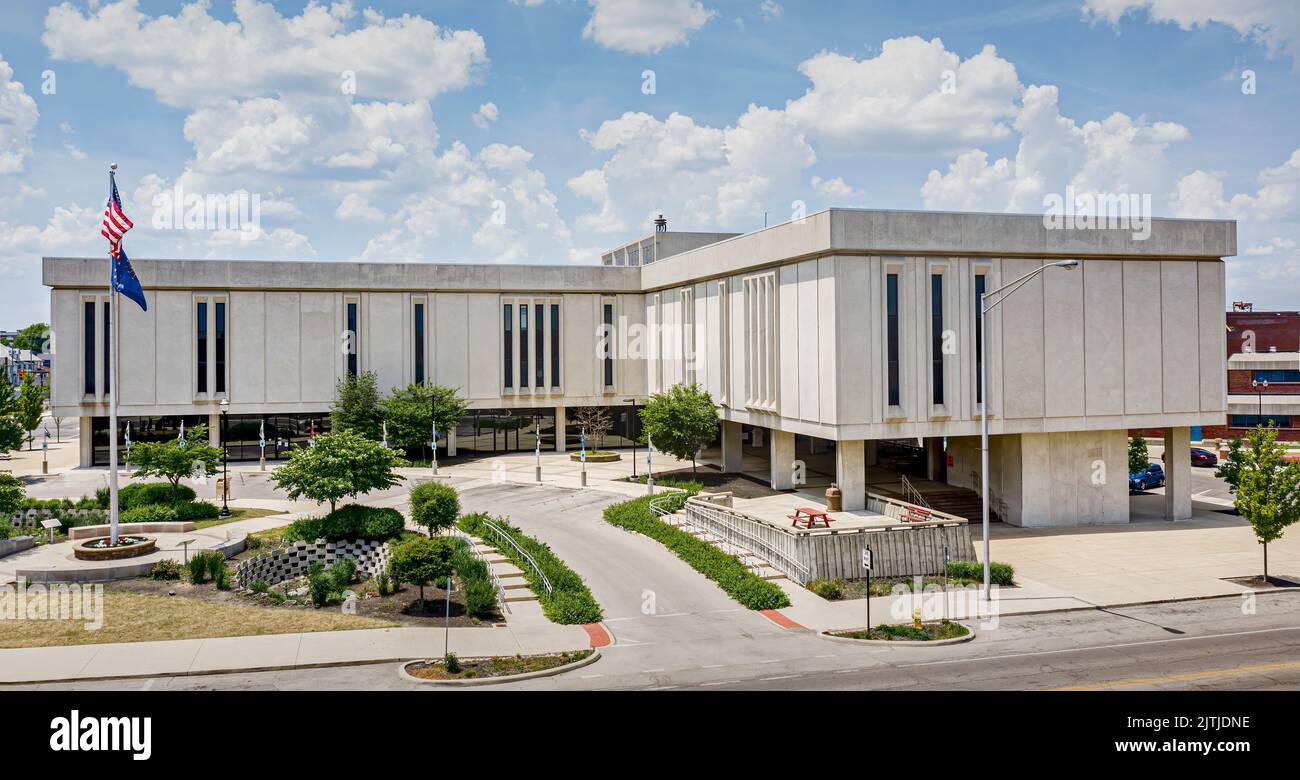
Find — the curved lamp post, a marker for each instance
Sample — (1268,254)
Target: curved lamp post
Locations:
(987,304)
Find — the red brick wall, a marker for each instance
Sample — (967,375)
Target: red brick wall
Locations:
(1279,329)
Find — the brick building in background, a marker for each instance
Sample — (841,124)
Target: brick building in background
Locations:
(1263,373)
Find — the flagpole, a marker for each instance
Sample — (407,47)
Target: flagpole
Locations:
(112,388)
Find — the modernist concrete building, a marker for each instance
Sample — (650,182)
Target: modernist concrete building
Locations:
(823,341)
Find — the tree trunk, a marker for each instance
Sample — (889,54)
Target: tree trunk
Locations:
(331,506)
(1266,562)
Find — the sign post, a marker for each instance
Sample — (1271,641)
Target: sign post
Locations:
(945,580)
(583,456)
(866,564)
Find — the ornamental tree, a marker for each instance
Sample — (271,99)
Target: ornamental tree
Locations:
(11,431)
(356,405)
(12,492)
(1138,457)
(1265,485)
(174,461)
(597,421)
(342,464)
(30,407)
(435,506)
(421,561)
(682,421)
(411,411)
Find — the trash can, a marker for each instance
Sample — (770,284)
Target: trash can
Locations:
(833,498)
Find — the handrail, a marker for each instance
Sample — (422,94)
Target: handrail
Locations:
(496,581)
(499,531)
(729,521)
(910,492)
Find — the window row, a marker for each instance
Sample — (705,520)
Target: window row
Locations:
(530,344)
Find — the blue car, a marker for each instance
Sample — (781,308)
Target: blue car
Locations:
(1153,476)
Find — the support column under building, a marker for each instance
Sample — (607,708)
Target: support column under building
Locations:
(935,465)
(561,429)
(851,473)
(733,451)
(86,441)
(451,443)
(782,460)
(1178,473)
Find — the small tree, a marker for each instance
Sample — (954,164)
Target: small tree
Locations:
(173,462)
(1265,484)
(356,405)
(1138,457)
(343,463)
(421,561)
(411,411)
(34,338)
(31,406)
(597,422)
(435,506)
(58,429)
(681,421)
(11,430)
(12,492)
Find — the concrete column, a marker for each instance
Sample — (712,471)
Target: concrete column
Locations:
(1178,473)
(451,443)
(756,436)
(782,462)
(851,473)
(935,465)
(85,441)
(561,421)
(214,429)
(733,454)
(871,448)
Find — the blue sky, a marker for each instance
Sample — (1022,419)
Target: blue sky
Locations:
(525,130)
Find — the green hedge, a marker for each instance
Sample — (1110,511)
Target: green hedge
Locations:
(187,511)
(571,603)
(353,521)
(480,593)
(145,493)
(56,504)
(726,570)
(999,573)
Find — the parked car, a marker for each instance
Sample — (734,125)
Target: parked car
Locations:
(1152,476)
(1203,457)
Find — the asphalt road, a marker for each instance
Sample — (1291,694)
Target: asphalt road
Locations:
(676,630)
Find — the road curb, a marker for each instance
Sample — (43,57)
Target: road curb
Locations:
(405,675)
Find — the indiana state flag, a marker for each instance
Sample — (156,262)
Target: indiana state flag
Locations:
(125,281)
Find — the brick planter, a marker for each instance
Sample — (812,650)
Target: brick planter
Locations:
(86,553)
(604,457)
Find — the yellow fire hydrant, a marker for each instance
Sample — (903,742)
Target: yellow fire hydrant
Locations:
(916,618)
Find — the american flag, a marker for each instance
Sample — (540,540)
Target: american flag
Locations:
(115,222)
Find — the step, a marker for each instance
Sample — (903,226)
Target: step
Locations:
(514,583)
(503,570)
(513,596)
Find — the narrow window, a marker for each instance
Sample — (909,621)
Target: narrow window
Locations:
(201,363)
(221,346)
(523,345)
(555,346)
(609,345)
(891,335)
(979,337)
(936,337)
(508,318)
(354,338)
(88,350)
(539,356)
(419,343)
(108,346)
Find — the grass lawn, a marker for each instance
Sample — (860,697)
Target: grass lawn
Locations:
(237,514)
(135,617)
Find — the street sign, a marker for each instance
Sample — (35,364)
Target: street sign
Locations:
(866,558)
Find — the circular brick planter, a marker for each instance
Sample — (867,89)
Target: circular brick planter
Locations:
(591,659)
(85,552)
(827,635)
(592,457)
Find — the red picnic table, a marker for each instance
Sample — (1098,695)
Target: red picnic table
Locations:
(808,517)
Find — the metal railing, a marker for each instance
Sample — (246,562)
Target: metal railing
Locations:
(735,530)
(496,581)
(911,494)
(505,536)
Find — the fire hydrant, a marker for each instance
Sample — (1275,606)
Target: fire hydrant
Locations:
(916,618)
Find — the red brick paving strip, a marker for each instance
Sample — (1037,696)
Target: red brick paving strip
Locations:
(779,619)
(599,636)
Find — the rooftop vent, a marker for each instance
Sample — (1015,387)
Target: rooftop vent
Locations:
(661,224)
(1272,349)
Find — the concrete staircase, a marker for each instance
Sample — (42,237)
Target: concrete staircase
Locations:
(510,575)
(748,559)
(954,500)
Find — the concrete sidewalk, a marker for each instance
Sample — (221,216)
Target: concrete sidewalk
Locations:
(281,651)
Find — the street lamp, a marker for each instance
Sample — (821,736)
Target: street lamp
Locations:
(1260,387)
(433,418)
(537,429)
(985,308)
(631,429)
(225,458)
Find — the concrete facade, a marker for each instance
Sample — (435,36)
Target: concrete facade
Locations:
(788,328)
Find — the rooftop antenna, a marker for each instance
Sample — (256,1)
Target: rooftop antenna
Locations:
(661,224)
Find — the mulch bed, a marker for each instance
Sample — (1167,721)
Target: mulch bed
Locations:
(1259,582)
(715,481)
(906,633)
(495,666)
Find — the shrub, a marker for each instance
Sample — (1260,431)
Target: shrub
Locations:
(259,586)
(143,493)
(166,569)
(384,583)
(274,597)
(189,511)
(319,584)
(1003,574)
(149,513)
(451,663)
(571,603)
(341,572)
(421,561)
(831,590)
(480,598)
(201,564)
(726,570)
(221,577)
(350,522)
(434,506)
(216,564)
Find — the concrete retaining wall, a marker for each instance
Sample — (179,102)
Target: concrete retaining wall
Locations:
(293,560)
(16,544)
(91,531)
(31,518)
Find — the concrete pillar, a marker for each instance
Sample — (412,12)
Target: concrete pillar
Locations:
(756,437)
(733,454)
(561,423)
(214,429)
(85,441)
(871,448)
(935,465)
(851,473)
(782,460)
(1178,473)
(451,443)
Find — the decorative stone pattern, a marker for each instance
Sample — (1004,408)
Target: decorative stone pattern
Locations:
(31,518)
(292,560)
